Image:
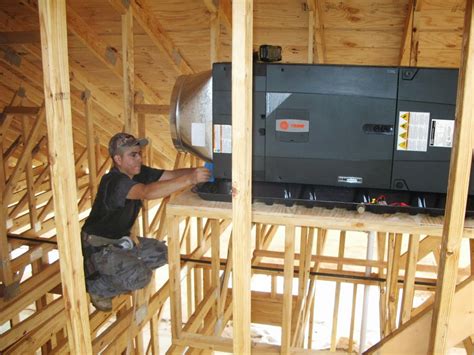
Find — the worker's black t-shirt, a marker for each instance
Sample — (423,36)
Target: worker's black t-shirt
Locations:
(113,215)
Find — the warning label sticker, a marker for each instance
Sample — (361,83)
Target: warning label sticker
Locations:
(222,138)
(413,129)
(441,134)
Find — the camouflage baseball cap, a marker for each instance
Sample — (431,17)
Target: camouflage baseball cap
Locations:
(122,140)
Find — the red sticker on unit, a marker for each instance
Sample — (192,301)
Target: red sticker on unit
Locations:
(292,126)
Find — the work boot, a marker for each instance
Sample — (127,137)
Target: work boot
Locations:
(103,304)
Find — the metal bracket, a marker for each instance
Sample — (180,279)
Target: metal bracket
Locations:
(111,55)
(12,57)
(86,94)
(10,291)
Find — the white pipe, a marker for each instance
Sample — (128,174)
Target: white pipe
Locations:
(365,308)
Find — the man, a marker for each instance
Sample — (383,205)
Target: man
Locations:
(116,262)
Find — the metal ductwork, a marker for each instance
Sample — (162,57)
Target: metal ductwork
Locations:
(191,114)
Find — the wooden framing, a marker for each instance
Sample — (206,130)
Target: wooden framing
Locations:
(28,202)
(242,56)
(188,205)
(459,173)
(58,114)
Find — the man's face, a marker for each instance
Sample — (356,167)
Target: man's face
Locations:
(130,161)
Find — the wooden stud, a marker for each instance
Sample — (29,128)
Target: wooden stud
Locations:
(90,134)
(21,163)
(242,54)
(5,267)
(287,289)
(342,244)
(381,247)
(215,278)
(52,18)
(198,291)
(458,185)
(319,31)
(415,35)
(174,279)
(406,48)
(392,281)
(409,282)
(215,29)
(130,121)
(353,313)
(311,36)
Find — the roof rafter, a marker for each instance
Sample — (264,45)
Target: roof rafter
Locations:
(224,8)
(317,9)
(143,14)
(99,48)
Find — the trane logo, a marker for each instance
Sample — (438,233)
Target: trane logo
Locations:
(292,126)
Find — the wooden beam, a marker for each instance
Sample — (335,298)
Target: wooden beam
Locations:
(210,5)
(128,63)
(19,37)
(143,14)
(215,36)
(409,282)
(90,134)
(316,8)
(30,184)
(225,13)
(287,290)
(405,50)
(311,36)
(5,270)
(458,186)
(21,110)
(413,336)
(21,163)
(52,18)
(99,48)
(415,33)
(30,291)
(242,38)
(152,109)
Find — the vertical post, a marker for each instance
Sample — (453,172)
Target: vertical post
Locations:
(128,72)
(242,36)
(215,279)
(90,135)
(52,18)
(365,306)
(460,168)
(215,36)
(288,270)
(174,258)
(311,37)
(147,159)
(409,282)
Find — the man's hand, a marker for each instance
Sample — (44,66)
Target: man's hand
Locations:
(199,175)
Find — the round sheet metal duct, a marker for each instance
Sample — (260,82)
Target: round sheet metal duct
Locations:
(191,114)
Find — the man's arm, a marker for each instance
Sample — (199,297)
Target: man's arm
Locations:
(165,187)
(172,174)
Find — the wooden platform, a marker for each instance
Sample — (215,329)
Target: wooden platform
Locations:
(190,204)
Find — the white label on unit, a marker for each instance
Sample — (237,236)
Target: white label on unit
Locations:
(413,129)
(441,134)
(222,139)
(198,134)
